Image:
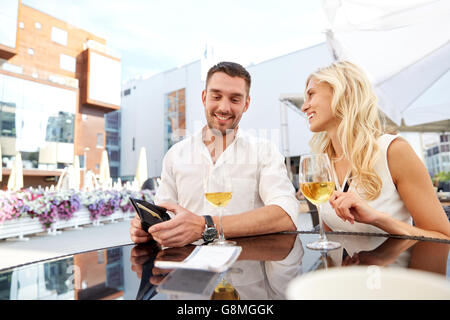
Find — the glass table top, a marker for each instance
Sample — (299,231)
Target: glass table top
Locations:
(264,269)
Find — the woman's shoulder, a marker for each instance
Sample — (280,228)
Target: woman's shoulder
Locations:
(401,158)
(398,146)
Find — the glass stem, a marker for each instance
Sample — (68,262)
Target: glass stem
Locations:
(322,235)
(324,260)
(221,236)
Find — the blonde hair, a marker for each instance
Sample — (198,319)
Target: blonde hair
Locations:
(355,104)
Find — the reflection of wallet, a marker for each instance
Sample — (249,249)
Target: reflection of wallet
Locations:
(146,289)
(149,213)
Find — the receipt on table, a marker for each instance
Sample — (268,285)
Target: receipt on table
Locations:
(211,258)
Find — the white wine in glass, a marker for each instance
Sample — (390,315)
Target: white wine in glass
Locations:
(225,291)
(218,193)
(219,199)
(316,184)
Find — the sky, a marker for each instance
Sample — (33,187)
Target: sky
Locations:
(152,36)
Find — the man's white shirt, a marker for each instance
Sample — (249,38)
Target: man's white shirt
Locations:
(255,167)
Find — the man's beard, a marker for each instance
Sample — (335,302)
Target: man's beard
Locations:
(210,122)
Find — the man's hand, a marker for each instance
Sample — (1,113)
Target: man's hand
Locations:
(138,235)
(186,227)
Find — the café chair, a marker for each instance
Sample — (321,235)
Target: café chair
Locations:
(369,283)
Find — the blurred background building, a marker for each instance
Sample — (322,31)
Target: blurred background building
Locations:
(57,82)
(163,109)
(61,95)
(438,158)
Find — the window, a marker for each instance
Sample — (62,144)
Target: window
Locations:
(127,92)
(59,36)
(115,156)
(112,139)
(435,150)
(38,25)
(114,171)
(67,62)
(60,127)
(99,140)
(112,121)
(21,25)
(12,68)
(30,51)
(81,157)
(35,119)
(175,117)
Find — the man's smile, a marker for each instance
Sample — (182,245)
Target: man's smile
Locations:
(223,118)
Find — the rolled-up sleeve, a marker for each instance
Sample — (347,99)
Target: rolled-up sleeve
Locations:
(275,188)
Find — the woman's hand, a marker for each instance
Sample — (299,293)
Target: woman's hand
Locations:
(350,207)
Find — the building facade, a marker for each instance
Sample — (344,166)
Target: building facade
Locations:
(112,130)
(437,157)
(159,111)
(57,82)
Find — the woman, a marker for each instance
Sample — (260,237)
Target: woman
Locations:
(388,185)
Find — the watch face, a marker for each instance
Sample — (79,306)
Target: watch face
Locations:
(209,234)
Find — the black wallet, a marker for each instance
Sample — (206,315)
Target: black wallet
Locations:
(149,213)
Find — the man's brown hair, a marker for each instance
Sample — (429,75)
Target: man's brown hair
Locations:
(233,70)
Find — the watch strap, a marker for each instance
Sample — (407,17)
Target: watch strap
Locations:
(209,221)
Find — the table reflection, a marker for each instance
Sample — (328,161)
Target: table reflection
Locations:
(92,275)
(263,270)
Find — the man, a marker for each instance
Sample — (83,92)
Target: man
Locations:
(263,199)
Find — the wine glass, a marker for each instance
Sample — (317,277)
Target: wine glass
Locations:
(218,192)
(316,184)
(225,291)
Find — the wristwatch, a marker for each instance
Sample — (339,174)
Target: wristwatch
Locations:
(210,232)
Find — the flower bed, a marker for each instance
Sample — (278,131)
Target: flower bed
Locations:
(32,211)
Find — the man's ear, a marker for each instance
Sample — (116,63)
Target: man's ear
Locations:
(247,103)
(204,98)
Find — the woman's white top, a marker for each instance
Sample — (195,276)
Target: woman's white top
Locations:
(388,201)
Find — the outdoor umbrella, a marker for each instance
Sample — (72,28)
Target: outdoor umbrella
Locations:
(15,181)
(141,169)
(104,176)
(404,47)
(76,172)
(12,177)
